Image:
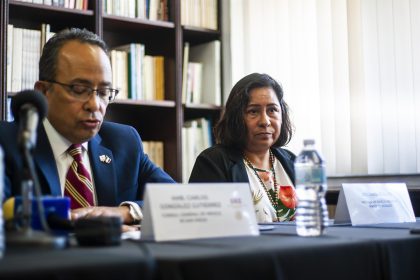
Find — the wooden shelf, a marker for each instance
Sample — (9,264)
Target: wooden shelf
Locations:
(195,111)
(197,35)
(153,103)
(112,22)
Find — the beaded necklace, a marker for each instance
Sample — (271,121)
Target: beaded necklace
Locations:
(273,195)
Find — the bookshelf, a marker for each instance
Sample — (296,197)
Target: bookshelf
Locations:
(155,120)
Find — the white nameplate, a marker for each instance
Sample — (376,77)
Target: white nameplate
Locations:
(181,211)
(363,204)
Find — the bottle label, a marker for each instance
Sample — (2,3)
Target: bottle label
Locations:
(308,175)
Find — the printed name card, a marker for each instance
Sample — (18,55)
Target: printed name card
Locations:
(181,211)
(373,204)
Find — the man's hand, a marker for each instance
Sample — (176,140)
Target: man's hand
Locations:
(122,211)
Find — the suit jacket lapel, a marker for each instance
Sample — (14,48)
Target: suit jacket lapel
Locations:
(103,172)
(238,168)
(286,162)
(44,160)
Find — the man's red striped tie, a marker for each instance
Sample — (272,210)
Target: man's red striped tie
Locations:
(79,185)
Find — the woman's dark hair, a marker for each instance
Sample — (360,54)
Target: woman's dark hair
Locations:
(231,129)
(48,60)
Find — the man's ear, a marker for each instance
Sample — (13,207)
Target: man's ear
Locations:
(41,86)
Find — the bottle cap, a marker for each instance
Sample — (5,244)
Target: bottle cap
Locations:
(308,142)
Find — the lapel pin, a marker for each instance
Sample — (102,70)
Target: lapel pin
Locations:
(105,159)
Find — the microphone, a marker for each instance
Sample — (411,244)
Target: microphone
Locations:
(28,108)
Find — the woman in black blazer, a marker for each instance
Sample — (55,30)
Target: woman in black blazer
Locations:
(254,126)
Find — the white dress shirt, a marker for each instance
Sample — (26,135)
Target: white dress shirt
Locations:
(63,159)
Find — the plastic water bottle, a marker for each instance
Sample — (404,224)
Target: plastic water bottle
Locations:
(311,186)
(1,199)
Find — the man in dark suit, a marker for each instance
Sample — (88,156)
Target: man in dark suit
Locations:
(75,77)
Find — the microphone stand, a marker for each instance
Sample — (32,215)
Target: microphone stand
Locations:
(25,236)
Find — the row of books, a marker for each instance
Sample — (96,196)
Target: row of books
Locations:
(201,82)
(144,9)
(154,150)
(141,77)
(199,13)
(71,4)
(23,52)
(196,136)
(136,75)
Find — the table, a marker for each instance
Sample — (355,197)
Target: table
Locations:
(372,252)
(343,253)
(127,261)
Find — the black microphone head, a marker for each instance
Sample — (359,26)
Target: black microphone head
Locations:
(32,97)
